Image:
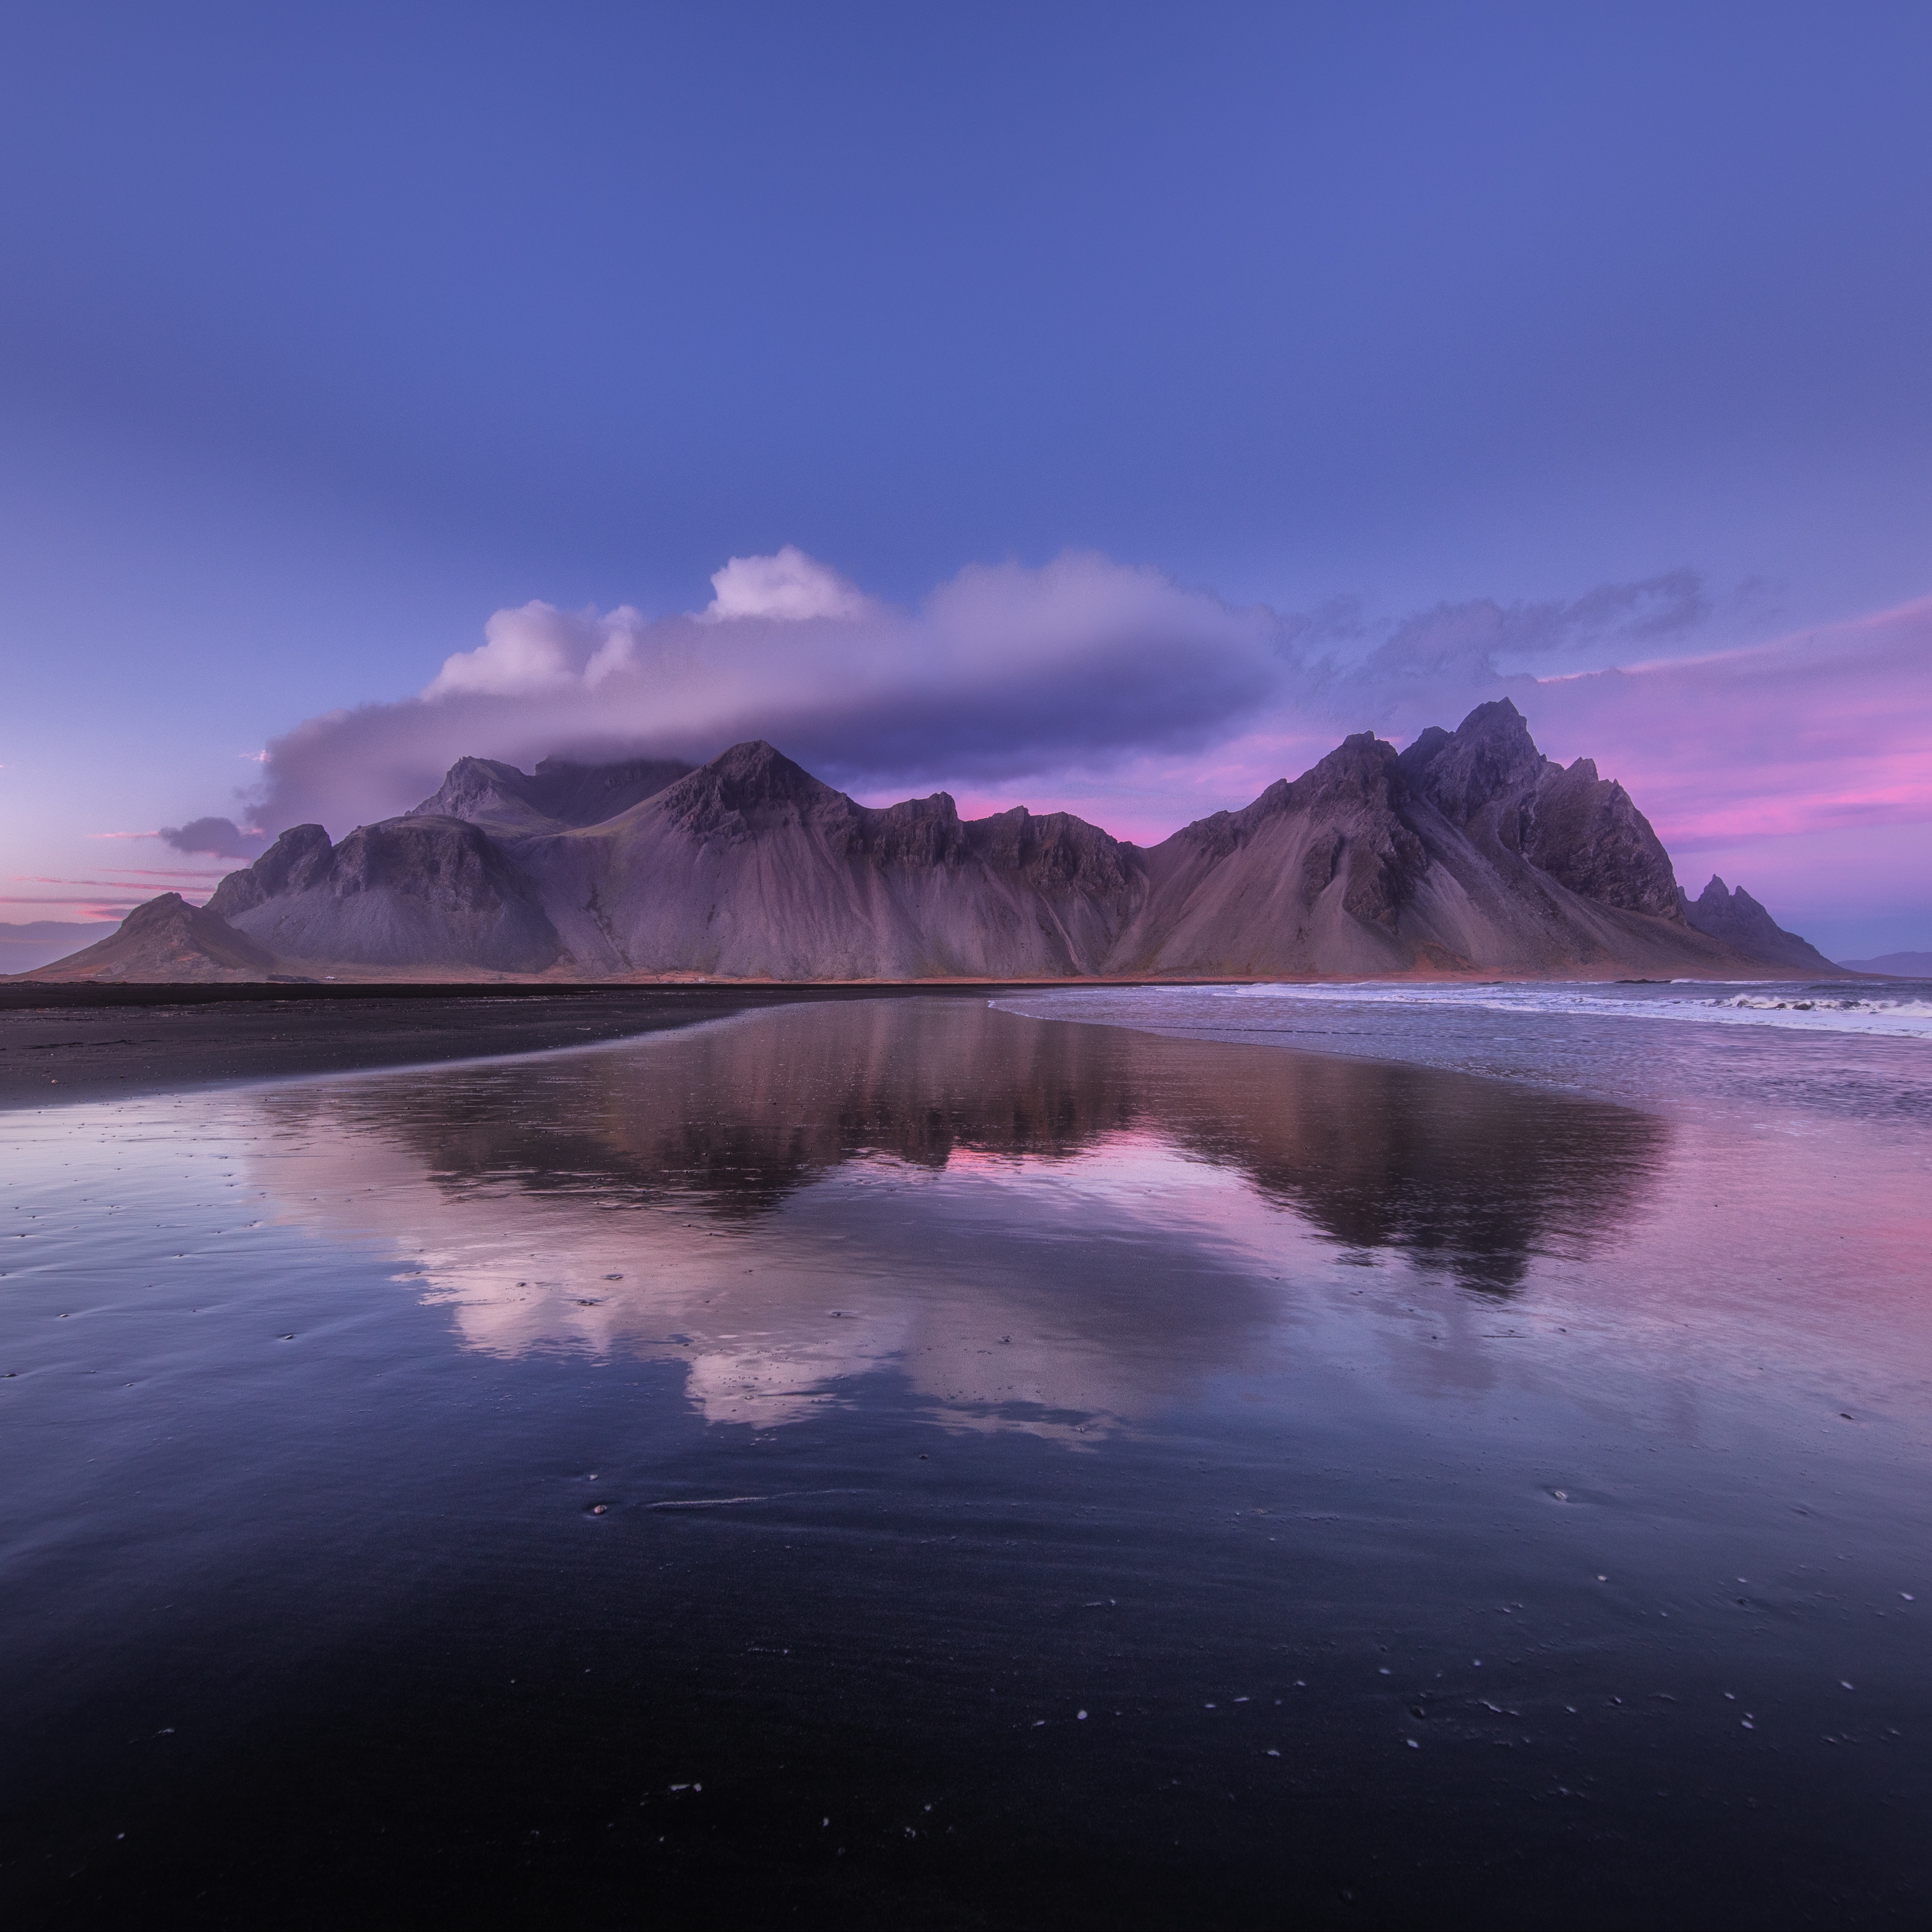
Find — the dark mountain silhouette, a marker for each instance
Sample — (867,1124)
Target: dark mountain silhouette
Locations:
(1469,851)
(1738,920)
(409,892)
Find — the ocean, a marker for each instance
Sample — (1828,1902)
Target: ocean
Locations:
(1158,1456)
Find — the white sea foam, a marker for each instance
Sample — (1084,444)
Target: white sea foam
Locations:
(1795,1009)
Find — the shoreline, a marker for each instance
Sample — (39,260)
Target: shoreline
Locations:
(25,991)
(153,1039)
(66,1043)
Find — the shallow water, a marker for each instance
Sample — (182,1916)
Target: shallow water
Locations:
(920,1461)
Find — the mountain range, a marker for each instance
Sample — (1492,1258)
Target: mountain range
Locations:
(1468,851)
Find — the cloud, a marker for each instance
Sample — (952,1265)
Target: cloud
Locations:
(220,838)
(537,648)
(791,586)
(1464,643)
(1004,670)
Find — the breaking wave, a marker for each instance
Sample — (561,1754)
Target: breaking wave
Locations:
(1820,1009)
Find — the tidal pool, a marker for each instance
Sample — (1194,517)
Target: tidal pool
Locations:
(913,1462)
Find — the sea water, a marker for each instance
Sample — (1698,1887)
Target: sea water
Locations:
(1140,1456)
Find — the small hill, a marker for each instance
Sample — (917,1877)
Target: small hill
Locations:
(165,940)
(1896,965)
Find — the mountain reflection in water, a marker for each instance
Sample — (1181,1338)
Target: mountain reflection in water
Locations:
(1031,1219)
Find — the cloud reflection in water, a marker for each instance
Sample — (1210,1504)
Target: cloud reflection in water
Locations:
(1053,1226)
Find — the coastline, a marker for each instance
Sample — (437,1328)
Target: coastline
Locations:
(95,1043)
(63,1042)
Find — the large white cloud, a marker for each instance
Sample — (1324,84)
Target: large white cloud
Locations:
(537,649)
(1004,670)
(790,585)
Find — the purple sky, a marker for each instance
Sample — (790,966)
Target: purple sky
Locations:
(1104,408)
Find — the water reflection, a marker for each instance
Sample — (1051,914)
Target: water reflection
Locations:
(1066,1220)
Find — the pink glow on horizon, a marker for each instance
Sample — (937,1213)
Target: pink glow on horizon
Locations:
(1767,760)
(1801,767)
(98,900)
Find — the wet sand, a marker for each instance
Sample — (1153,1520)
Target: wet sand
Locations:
(894,1462)
(61,1043)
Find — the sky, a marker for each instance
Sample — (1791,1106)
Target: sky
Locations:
(1102,408)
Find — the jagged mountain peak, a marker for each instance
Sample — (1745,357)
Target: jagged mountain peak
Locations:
(297,860)
(749,779)
(1489,756)
(1361,770)
(1362,765)
(1738,920)
(759,770)
(561,791)
(1497,718)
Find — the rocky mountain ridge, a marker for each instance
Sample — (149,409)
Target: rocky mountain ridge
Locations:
(1738,920)
(1468,852)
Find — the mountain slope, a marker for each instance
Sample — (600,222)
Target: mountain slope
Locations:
(1897,965)
(164,941)
(1738,919)
(750,867)
(409,892)
(558,794)
(1470,850)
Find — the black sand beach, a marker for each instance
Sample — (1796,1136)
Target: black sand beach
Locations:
(99,1041)
(892,1461)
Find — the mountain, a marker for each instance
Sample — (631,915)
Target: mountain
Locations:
(1897,965)
(418,890)
(558,794)
(1738,920)
(167,939)
(1469,851)
(23,947)
(750,867)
